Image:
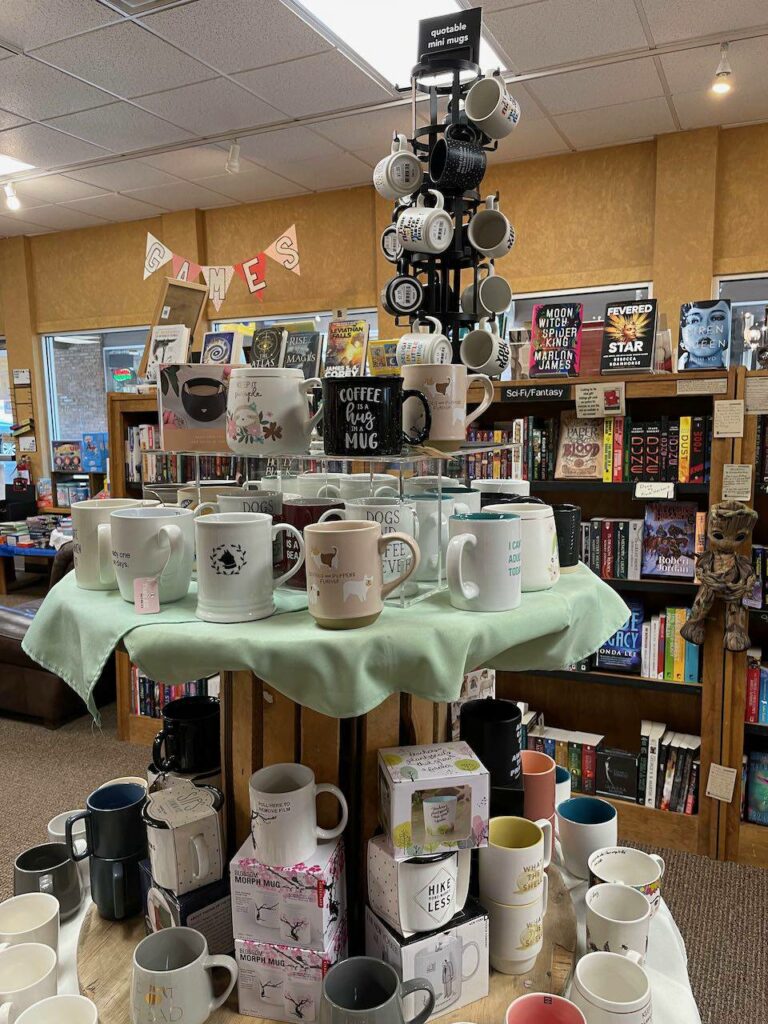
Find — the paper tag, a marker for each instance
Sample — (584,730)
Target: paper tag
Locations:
(729,419)
(703,386)
(721,782)
(27,444)
(756,395)
(180,804)
(737,482)
(593,401)
(664,489)
(166,312)
(146,595)
(22,376)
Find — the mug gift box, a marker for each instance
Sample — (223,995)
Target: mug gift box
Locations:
(432,799)
(209,910)
(454,959)
(192,406)
(185,836)
(302,905)
(280,982)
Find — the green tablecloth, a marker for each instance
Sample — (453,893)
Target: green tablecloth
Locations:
(423,650)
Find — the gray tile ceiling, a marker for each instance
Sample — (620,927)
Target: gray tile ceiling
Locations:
(91,84)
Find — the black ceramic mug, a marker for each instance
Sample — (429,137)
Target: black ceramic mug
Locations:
(189,740)
(492,729)
(113,825)
(503,498)
(568,527)
(363,416)
(458,161)
(204,398)
(116,886)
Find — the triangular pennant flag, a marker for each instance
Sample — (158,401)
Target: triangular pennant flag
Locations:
(285,250)
(156,256)
(184,269)
(254,273)
(217,279)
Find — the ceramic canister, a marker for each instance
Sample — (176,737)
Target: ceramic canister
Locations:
(541,563)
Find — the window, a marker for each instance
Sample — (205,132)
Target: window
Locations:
(749,324)
(594,300)
(7,447)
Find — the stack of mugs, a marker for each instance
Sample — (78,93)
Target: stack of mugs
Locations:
(288,896)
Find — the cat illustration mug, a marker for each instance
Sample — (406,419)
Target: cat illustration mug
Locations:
(445,387)
(268,411)
(345,585)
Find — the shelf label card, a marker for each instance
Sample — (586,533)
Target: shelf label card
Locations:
(595,401)
(737,482)
(756,395)
(27,444)
(721,782)
(146,595)
(703,386)
(729,418)
(663,489)
(535,393)
(22,376)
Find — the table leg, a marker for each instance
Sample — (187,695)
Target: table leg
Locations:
(241,748)
(7,574)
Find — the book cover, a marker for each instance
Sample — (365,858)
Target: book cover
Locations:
(224,346)
(653,466)
(301,351)
(608,449)
(94,450)
(642,762)
(692,799)
(267,346)
(678,646)
(382,357)
(579,449)
(617,774)
(705,335)
(635,553)
(684,460)
(698,443)
(636,452)
(669,645)
(692,654)
(67,456)
(661,645)
(556,339)
(656,733)
(621,652)
(574,765)
(346,347)
(757,787)
(621,550)
(629,336)
(673,450)
(618,448)
(669,535)
(168,343)
(755,598)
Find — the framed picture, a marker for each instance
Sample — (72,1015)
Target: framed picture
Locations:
(179,302)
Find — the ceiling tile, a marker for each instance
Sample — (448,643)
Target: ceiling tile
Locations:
(62,218)
(529,139)
(210,108)
(624,122)
(337,172)
(253,186)
(115,207)
(124,174)
(702,110)
(120,127)
(686,19)
(692,70)
(11,226)
(232,36)
(312,85)
(501,5)
(197,162)
(31,23)
(126,60)
(593,87)
(55,188)
(43,147)
(286,144)
(555,32)
(8,120)
(184,195)
(362,131)
(34,90)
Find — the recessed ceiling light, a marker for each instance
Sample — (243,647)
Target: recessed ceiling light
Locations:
(722,83)
(11,199)
(386,40)
(232,165)
(9,165)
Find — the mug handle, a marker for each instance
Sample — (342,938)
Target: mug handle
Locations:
(421,435)
(205,506)
(487,397)
(390,538)
(5,1012)
(470,945)
(634,956)
(331,512)
(385,491)
(229,965)
(287,528)
(659,862)
(306,387)
(176,544)
(546,827)
(118,890)
(163,764)
(201,856)
(419,985)
(104,549)
(329,491)
(81,815)
(332,833)
(545,896)
(453,571)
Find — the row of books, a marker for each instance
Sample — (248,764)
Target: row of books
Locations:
(669,769)
(33,532)
(756,704)
(169,467)
(506,464)
(670,448)
(754,787)
(148,697)
(663,543)
(761,451)
(574,751)
(142,438)
(759,597)
(651,647)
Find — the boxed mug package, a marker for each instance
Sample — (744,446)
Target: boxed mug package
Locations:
(476,685)
(280,982)
(192,406)
(185,836)
(432,799)
(209,910)
(453,959)
(299,906)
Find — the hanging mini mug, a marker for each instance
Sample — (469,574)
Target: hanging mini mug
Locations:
(490,107)
(399,173)
(390,245)
(490,232)
(402,295)
(457,162)
(423,346)
(492,294)
(423,228)
(483,351)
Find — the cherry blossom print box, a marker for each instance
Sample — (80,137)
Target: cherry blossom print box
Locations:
(303,905)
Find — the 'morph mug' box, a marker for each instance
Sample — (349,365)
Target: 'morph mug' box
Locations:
(432,799)
(298,906)
(453,959)
(280,982)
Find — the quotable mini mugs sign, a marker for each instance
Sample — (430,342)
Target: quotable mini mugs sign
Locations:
(459,30)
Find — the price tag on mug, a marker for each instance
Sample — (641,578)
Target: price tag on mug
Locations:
(146,595)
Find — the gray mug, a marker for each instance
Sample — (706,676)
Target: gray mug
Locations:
(363,990)
(49,868)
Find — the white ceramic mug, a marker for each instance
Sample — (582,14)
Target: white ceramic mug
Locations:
(612,989)
(268,411)
(27,975)
(494,292)
(234,565)
(268,502)
(490,232)
(31,917)
(87,517)
(521,487)
(447,963)
(57,834)
(439,811)
(393,515)
(284,814)
(541,561)
(424,345)
(310,485)
(421,484)
(618,919)
(145,543)
(516,933)
(191,495)
(489,106)
(585,824)
(512,864)
(431,889)
(399,173)
(433,514)
(172,978)
(483,351)
(467,496)
(445,387)
(483,563)
(423,228)
(622,864)
(359,485)
(66,1009)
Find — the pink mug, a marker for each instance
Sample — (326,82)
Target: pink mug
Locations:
(539,785)
(540,1008)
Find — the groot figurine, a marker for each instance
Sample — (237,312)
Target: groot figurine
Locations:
(725,574)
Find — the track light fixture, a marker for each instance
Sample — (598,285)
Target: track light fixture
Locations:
(12,201)
(233,159)
(722,83)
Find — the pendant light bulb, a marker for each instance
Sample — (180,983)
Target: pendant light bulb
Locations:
(12,201)
(233,159)
(722,83)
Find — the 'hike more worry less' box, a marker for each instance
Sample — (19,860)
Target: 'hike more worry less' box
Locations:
(432,799)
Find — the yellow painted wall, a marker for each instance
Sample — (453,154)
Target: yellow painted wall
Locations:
(741,210)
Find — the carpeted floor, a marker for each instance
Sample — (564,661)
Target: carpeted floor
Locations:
(721,909)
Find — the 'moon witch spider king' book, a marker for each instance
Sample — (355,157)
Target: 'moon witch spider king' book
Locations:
(629,337)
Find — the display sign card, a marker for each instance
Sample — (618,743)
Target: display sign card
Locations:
(703,386)
(599,400)
(27,444)
(629,336)
(535,393)
(22,377)
(654,489)
(556,339)
(721,782)
(729,419)
(459,30)
(737,482)
(755,395)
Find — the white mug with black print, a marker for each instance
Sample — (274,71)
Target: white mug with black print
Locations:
(234,565)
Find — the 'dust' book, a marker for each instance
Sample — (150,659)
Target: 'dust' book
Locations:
(629,337)
(669,539)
